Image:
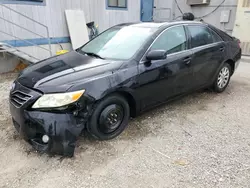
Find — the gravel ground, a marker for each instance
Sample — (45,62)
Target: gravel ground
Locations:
(202,140)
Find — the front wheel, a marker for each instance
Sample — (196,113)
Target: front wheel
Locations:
(110,118)
(223,78)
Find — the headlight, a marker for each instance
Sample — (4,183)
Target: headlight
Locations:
(57,99)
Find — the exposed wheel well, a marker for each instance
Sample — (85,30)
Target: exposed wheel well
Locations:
(130,99)
(232,64)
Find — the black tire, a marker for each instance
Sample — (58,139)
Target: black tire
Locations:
(220,88)
(99,125)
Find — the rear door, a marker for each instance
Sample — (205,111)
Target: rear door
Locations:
(208,53)
(160,80)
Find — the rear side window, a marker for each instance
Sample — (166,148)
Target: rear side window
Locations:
(200,36)
(172,40)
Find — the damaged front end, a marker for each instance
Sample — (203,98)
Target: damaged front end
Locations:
(52,131)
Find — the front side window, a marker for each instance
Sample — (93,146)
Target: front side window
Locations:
(200,36)
(120,43)
(117,3)
(172,40)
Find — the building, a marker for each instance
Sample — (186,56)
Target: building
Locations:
(38,27)
(242,25)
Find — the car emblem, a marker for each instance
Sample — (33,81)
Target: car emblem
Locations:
(12,87)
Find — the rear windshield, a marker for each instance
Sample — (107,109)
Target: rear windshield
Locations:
(119,42)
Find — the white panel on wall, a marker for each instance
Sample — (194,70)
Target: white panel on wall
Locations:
(225,15)
(77,27)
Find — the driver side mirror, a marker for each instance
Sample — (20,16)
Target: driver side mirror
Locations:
(156,55)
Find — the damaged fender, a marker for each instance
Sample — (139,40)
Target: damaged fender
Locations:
(63,131)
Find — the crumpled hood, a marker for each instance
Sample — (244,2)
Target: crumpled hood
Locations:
(59,73)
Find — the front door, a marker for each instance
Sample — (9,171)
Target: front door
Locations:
(147,7)
(159,80)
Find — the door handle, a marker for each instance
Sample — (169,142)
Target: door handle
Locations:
(187,60)
(222,49)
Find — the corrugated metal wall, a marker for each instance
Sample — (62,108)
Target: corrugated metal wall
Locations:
(52,15)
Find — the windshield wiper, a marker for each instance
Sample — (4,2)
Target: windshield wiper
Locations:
(93,54)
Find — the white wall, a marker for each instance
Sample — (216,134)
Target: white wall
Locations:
(213,18)
(161,13)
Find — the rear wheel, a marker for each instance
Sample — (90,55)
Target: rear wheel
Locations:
(223,78)
(110,118)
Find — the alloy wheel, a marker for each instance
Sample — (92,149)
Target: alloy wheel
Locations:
(223,77)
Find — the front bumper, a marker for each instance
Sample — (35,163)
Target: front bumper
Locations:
(62,129)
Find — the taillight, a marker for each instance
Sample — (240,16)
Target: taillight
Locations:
(239,43)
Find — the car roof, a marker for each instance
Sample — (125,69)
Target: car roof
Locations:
(157,24)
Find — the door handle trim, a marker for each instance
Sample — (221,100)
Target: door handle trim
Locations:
(187,60)
(222,49)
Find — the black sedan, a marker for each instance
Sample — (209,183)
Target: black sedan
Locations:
(124,71)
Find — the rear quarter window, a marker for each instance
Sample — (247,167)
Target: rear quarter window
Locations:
(216,37)
(222,34)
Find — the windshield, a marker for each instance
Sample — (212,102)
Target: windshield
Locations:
(118,42)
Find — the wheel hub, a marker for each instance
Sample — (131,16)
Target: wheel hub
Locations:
(223,77)
(111,118)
